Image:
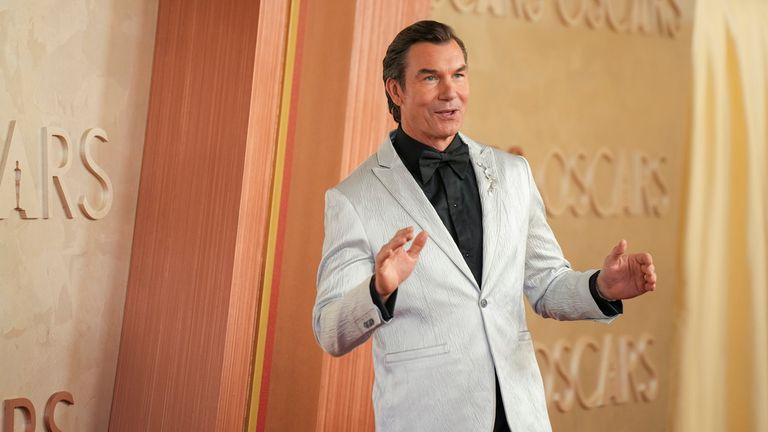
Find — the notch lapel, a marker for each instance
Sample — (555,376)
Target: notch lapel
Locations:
(400,183)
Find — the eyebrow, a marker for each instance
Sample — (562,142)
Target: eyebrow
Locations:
(434,71)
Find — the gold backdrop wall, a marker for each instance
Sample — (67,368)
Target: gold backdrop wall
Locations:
(596,94)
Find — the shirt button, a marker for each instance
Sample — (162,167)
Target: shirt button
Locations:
(483,303)
(466,254)
(454,204)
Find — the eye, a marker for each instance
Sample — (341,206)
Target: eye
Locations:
(430,78)
(459,75)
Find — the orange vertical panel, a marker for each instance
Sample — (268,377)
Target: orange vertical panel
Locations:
(197,258)
(254,214)
(290,400)
(340,119)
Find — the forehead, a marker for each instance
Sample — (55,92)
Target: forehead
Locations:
(440,57)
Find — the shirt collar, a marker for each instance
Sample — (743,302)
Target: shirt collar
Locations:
(410,150)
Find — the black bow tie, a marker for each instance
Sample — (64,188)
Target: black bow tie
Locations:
(457,158)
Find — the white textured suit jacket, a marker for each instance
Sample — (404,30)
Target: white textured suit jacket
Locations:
(434,360)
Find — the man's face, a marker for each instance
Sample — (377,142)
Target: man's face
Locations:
(435,94)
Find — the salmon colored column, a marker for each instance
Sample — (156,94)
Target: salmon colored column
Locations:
(197,262)
(340,119)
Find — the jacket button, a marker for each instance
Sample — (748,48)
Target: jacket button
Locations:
(483,303)
(368,324)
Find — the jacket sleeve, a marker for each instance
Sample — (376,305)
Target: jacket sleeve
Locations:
(553,289)
(344,315)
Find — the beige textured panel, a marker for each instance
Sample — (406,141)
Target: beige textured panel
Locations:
(603,87)
(197,261)
(67,66)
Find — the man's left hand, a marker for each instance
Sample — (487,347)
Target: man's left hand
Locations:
(625,276)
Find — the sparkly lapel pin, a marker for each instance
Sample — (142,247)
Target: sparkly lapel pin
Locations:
(488,173)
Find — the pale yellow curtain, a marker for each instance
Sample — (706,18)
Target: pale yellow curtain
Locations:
(724,359)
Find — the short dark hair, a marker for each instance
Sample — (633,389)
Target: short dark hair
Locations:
(397,52)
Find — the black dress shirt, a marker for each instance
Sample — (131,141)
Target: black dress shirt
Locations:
(454,195)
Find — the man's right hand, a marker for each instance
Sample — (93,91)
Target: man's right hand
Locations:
(394,264)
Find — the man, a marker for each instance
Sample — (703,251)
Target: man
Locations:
(451,348)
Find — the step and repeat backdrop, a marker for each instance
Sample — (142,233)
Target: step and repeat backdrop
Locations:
(596,94)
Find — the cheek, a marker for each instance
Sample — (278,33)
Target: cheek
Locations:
(464,95)
(426,100)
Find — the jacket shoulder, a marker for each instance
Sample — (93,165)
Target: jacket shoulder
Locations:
(356,181)
(505,161)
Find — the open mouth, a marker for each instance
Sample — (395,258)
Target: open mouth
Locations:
(447,114)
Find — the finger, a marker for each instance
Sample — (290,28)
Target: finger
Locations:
(650,286)
(401,233)
(616,252)
(650,278)
(404,236)
(418,244)
(400,238)
(382,256)
(388,245)
(398,242)
(644,259)
(619,249)
(383,253)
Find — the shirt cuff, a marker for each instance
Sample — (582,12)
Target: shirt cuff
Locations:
(387,309)
(607,307)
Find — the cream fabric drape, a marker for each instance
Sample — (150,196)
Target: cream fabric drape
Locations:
(724,369)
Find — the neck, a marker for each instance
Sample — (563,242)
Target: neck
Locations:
(437,143)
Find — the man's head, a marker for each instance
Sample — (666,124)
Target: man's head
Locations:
(425,76)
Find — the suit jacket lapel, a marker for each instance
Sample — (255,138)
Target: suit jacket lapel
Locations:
(488,185)
(400,183)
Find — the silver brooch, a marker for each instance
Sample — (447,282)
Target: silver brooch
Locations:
(488,176)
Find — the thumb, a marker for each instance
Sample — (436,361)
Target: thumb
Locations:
(418,244)
(617,251)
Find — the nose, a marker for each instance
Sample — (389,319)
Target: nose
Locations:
(447,90)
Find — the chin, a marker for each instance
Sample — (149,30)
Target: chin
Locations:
(451,131)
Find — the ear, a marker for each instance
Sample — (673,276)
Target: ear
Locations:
(395,91)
